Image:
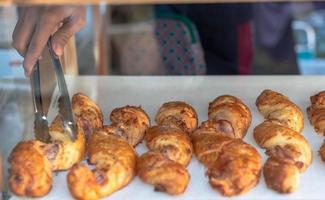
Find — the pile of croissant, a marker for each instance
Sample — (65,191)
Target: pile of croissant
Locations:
(233,166)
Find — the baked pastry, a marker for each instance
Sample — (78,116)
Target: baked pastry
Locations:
(229,115)
(62,152)
(170,148)
(30,171)
(177,114)
(166,175)
(233,166)
(290,153)
(281,174)
(316,112)
(132,122)
(173,143)
(283,143)
(32,162)
(88,112)
(277,107)
(316,116)
(114,161)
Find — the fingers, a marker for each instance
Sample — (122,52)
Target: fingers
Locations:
(44,28)
(36,24)
(71,26)
(24,29)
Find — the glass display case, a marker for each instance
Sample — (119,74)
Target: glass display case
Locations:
(145,53)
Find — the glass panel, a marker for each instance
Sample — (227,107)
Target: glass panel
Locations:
(179,39)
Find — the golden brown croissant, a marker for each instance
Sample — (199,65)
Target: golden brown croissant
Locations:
(233,166)
(281,174)
(316,116)
(165,174)
(88,112)
(322,152)
(174,143)
(30,171)
(177,114)
(316,112)
(114,160)
(132,122)
(164,166)
(283,142)
(230,116)
(32,162)
(277,107)
(279,134)
(62,152)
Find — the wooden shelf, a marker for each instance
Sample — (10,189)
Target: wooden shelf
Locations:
(123,2)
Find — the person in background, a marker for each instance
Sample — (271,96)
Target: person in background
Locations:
(225,33)
(274,40)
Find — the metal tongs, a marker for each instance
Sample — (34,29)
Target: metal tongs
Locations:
(65,110)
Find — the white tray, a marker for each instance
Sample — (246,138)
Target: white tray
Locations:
(152,92)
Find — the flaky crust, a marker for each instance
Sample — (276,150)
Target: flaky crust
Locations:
(279,134)
(275,106)
(132,122)
(173,143)
(208,145)
(30,171)
(62,152)
(316,112)
(114,160)
(284,143)
(322,152)
(230,116)
(32,162)
(281,175)
(233,165)
(177,114)
(166,175)
(88,112)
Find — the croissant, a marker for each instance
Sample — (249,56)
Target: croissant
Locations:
(281,174)
(277,107)
(233,166)
(289,152)
(174,143)
(88,112)
(316,116)
(283,143)
(114,160)
(30,172)
(170,149)
(132,122)
(177,114)
(230,116)
(166,175)
(32,162)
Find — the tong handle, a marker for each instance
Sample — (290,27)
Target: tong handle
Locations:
(65,107)
(36,89)
(41,129)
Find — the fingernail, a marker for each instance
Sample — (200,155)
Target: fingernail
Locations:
(27,74)
(57,50)
(27,68)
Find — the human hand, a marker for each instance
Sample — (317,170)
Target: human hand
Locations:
(37,23)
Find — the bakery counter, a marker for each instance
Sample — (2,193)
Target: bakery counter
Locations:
(110,92)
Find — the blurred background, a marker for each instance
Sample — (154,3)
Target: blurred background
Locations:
(255,38)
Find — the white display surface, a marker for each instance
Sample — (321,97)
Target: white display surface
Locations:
(151,92)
